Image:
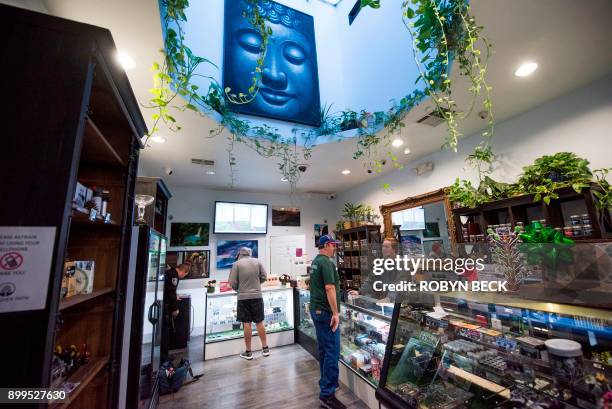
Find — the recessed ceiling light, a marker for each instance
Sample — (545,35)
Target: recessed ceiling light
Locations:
(284,180)
(397,142)
(526,69)
(210,172)
(406,151)
(332,2)
(125,60)
(346,172)
(158,139)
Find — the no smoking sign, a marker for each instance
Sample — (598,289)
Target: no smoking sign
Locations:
(11,261)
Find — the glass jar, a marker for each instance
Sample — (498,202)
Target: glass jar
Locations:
(585,219)
(568,231)
(565,358)
(577,231)
(575,220)
(587,230)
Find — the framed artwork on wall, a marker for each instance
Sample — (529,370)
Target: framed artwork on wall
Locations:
(199,259)
(285,216)
(189,234)
(227,250)
(289,83)
(320,230)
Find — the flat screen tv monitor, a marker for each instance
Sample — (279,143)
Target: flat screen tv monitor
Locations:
(233,217)
(409,219)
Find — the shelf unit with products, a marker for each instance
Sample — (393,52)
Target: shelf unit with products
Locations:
(86,133)
(575,214)
(358,247)
(452,350)
(223,334)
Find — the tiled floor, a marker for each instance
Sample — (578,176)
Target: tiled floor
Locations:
(288,378)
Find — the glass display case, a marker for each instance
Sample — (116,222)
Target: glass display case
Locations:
(221,324)
(482,350)
(305,333)
(364,326)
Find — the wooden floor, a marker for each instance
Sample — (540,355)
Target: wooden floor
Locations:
(288,378)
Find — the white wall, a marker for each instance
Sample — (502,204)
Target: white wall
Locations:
(579,122)
(197,205)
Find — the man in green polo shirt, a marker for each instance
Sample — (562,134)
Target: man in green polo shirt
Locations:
(324,308)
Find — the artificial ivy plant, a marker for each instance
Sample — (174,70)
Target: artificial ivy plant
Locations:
(441,31)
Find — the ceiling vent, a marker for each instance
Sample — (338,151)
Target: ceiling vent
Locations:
(203,162)
(431,119)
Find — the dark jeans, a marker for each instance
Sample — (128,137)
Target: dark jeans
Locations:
(329,352)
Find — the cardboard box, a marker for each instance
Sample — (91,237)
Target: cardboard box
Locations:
(69,270)
(84,276)
(69,280)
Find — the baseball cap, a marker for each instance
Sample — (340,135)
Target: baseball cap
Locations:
(327,238)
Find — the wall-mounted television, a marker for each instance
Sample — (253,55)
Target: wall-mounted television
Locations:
(231,217)
(409,219)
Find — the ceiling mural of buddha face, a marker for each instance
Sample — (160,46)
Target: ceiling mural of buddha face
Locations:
(289,84)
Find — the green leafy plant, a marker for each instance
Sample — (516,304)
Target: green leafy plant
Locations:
(551,172)
(463,194)
(603,193)
(352,211)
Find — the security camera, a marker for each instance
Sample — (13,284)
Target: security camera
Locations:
(169,171)
(331,196)
(302,168)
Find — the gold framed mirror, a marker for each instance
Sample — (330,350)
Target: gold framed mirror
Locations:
(425,220)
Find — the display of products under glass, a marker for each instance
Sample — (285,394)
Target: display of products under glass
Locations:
(305,324)
(470,354)
(364,326)
(221,321)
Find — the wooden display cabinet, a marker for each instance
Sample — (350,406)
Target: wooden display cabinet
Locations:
(355,254)
(73,117)
(524,209)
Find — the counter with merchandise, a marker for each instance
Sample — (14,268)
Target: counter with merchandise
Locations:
(224,334)
(365,325)
(481,350)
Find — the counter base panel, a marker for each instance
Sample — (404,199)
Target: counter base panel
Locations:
(362,389)
(236,346)
(308,343)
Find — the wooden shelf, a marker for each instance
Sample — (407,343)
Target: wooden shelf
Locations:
(81,218)
(81,298)
(97,148)
(84,375)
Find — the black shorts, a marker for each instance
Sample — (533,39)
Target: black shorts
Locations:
(251,310)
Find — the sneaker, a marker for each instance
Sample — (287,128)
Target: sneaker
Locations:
(248,355)
(265,351)
(331,403)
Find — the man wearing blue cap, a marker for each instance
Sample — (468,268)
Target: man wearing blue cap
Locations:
(324,307)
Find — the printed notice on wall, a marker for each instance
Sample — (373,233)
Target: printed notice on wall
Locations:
(25,267)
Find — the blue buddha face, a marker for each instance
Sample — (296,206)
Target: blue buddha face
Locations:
(288,85)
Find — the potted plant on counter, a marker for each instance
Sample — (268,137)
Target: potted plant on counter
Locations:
(210,286)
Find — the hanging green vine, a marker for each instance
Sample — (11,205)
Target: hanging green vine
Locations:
(442,30)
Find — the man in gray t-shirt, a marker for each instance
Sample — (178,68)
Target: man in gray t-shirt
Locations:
(245,278)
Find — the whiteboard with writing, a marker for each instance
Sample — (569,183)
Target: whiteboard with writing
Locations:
(283,259)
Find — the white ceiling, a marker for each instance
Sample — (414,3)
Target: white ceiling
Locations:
(570,40)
